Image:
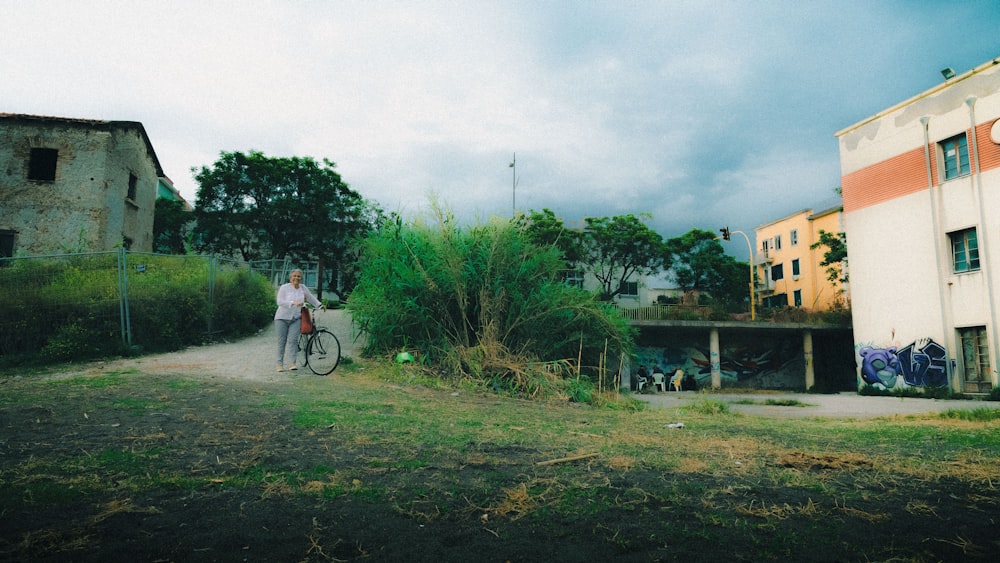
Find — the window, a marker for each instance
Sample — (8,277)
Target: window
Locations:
(976,353)
(775,301)
(765,246)
(956,156)
(777,272)
(793,237)
(7,243)
(573,278)
(42,164)
(964,250)
(797,295)
(629,289)
(132,183)
(795,268)
(777,242)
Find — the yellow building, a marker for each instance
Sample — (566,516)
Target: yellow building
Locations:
(788,271)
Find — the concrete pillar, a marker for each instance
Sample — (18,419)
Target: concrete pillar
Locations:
(713,352)
(807,351)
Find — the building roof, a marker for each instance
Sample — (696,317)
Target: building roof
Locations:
(946,84)
(828,211)
(99,124)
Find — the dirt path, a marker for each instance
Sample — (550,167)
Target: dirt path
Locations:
(251,358)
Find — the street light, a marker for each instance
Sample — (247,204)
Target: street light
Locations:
(726,235)
(513,186)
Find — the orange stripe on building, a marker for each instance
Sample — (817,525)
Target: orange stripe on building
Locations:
(989,152)
(906,173)
(896,177)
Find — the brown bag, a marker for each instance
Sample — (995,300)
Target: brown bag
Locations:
(307,323)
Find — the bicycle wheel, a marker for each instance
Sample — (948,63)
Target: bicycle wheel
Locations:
(323,352)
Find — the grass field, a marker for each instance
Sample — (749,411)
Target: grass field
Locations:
(369,464)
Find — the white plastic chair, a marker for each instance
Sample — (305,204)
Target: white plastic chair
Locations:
(658,382)
(641,384)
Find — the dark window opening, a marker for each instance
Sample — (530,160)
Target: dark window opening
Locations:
(133,181)
(777,272)
(629,289)
(6,243)
(775,301)
(42,164)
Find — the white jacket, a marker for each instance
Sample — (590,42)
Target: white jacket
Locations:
(287,294)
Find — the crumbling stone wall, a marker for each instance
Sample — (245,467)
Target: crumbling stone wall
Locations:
(86,205)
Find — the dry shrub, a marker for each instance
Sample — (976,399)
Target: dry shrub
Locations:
(506,371)
(871,517)
(119,506)
(692,465)
(782,512)
(822,462)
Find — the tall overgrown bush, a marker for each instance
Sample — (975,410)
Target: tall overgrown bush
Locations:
(481,301)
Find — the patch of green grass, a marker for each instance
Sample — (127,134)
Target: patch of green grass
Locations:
(107,380)
(183,384)
(60,480)
(707,406)
(981,414)
(134,404)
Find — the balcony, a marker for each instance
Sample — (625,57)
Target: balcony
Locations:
(763,288)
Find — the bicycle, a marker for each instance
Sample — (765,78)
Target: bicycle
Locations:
(322,349)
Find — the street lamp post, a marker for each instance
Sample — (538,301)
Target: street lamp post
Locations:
(513,186)
(725,236)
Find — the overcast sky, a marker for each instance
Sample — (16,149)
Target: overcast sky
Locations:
(701,113)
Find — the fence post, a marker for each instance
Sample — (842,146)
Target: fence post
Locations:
(126,320)
(212,262)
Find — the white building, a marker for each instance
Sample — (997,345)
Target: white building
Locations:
(921,192)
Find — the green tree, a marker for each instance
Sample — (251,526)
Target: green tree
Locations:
(545,229)
(275,207)
(616,248)
(171,224)
(835,257)
(699,263)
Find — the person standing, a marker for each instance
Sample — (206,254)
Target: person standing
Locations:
(291,297)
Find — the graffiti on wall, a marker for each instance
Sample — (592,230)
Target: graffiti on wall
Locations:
(919,364)
(777,364)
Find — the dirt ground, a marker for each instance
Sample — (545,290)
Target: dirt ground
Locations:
(435,515)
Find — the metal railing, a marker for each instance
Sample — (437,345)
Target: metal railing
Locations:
(664,312)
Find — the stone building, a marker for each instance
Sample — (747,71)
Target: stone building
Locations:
(75,185)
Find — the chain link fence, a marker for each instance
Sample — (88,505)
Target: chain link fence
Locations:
(74,306)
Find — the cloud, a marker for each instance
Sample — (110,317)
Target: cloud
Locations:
(701,114)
